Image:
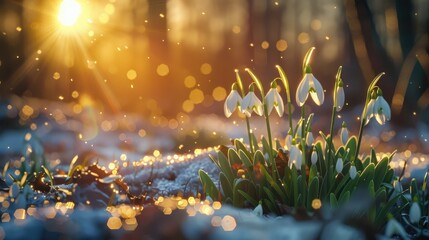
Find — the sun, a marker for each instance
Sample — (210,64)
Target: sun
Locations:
(69,12)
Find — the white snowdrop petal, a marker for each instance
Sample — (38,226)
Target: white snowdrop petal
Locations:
(309,139)
(280,107)
(352,172)
(344,135)
(318,96)
(339,165)
(314,158)
(269,99)
(302,90)
(340,98)
(415,213)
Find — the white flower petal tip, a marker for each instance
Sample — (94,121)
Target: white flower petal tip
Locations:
(232,102)
(339,165)
(309,85)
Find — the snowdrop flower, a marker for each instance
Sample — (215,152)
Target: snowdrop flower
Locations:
(344,134)
(314,157)
(309,139)
(339,165)
(393,227)
(258,211)
(251,103)
(232,102)
(352,172)
(415,213)
(378,108)
(273,99)
(295,157)
(340,96)
(309,85)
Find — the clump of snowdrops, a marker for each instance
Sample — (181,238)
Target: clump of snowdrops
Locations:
(303,174)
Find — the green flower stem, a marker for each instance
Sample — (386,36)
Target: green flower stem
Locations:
(270,141)
(267,120)
(334,110)
(249,134)
(303,144)
(364,112)
(285,82)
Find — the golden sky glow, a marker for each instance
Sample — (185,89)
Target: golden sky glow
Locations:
(69,12)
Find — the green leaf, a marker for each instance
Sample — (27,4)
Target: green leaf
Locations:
(270,196)
(367,175)
(240,146)
(341,152)
(381,194)
(301,190)
(254,142)
(215,161)
(226,185)
(320,158)
(373,156)
(208,185)
(246,161)
(265,146)
(351,145)
(225,167)
(358,164)
(350,186)
(372,210)
(366,162)
(384,209)
(380,172)
(294,185)
(333,200)
(271,207)
(414,191)
(344,198)
(343,182)
(253,201)
(274,184)
(259,158)
(313,172)
(244,185)
(389,176)
(313,191)
(233,157)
